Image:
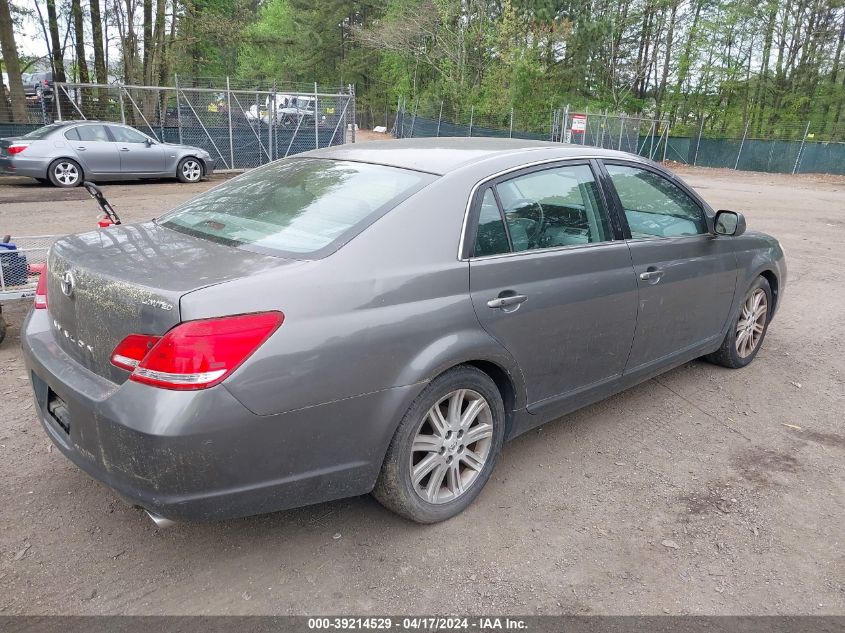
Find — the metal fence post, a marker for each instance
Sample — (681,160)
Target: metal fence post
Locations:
(510,132)
(742,142)
(565,124)
(271,122)
(229,111)
(586,125)
(258,135)
(178,109)
(603,126)
(414,119)
(801,149)
(354,111)
(122,112)
(700,130)
(44,109)
(621,131)
(666,142)
(471,115)
(652,130)
(316,120)
(395,129)
(439,118)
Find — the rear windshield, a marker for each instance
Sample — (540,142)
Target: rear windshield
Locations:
(42,132)
(302,207)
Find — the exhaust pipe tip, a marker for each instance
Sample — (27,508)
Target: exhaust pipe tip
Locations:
(159,520)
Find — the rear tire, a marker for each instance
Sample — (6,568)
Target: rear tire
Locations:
(2,329)
(445,447)
(189,170)
(748,328)
(65,173)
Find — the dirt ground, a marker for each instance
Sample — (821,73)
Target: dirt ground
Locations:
(704,491)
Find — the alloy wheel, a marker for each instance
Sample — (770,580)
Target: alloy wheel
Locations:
(191,170)
(451,446)
(66,173)
(751,323)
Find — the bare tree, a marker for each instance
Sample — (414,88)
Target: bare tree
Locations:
(81,64)
(13,68)
(97,32)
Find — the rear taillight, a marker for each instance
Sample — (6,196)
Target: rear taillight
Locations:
(16,148)
(195,354)
(132,350)
(41,290)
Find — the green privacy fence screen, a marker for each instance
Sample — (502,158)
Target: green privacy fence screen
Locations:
(644,137)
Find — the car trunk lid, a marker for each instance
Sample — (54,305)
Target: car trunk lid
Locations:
(128,279)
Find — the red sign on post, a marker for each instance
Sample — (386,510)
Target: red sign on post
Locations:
(579,123)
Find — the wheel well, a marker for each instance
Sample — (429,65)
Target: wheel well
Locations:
(769,276)
(55,160)
(503,383)
(196,158)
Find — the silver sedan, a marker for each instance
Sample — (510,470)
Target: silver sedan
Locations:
(67,152)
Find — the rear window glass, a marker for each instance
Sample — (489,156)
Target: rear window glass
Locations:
(42,132)
(298,207)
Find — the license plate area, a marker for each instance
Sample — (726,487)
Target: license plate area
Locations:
(57,408)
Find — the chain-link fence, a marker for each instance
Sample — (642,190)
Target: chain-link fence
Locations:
(240,127)
(793,149)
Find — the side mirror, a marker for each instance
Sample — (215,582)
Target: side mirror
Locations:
(729,223)
(148,143)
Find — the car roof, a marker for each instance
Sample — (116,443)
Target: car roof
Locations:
(443,155)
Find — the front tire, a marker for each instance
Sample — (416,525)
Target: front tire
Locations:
(445,448)
(65,173)
(745,337)
(189,170)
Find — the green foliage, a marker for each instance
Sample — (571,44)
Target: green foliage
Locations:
(725,63)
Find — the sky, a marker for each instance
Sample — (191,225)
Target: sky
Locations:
(30,38)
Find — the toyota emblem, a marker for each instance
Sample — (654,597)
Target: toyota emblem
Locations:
(68,283)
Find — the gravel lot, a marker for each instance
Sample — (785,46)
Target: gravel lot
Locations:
(704,491)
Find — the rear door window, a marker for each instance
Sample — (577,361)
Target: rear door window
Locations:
(298,207)
(491,237)
(554,207)
(93,133)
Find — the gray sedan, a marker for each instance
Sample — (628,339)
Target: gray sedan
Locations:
(68,152)
(381,317)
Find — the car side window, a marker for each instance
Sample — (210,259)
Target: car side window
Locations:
(72,134)
(126,135)
(93,133)
(654,206)
(554,207)
(491,238)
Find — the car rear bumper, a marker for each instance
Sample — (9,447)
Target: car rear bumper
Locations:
(202,455)
(209,164)
(22,166)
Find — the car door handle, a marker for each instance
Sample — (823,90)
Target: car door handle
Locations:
(124,149)
(504,302)
(80,149)
(652,275)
